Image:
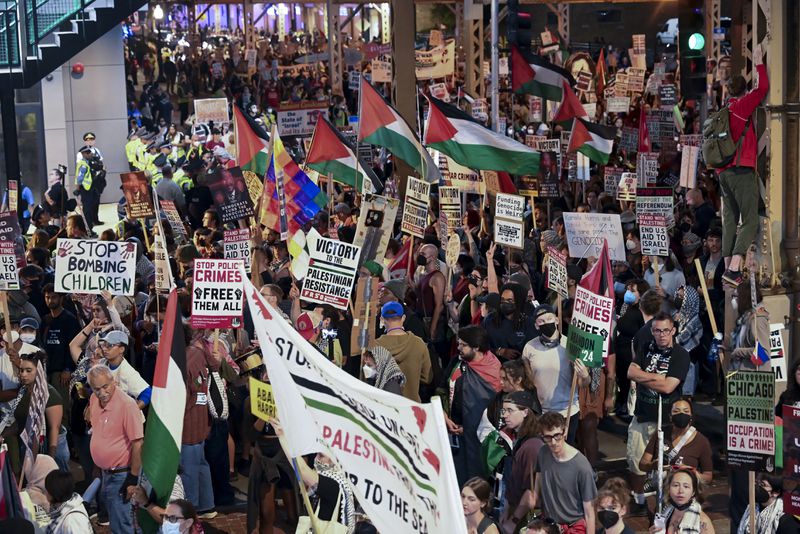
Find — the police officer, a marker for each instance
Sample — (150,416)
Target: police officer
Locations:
(89,140)
(90,198)
(132,147)
(165,148)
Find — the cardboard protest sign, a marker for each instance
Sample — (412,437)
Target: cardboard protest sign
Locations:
(10,233)
(13,195)
(508,223)
(230,194)
(690,158)
(236,244)
(262,402)
(776,352)
(639,43)
(621,84)
(415,209)
(87,266)
(362,334)
(590,328)
(211,109)
(750,419)
(381,71)
(611,178)
(791,444)
(161,262)
(586,232)
(653,234)
(9,273)
(439,90)
(136,188)
(254,186)
(491,181)
(636,80)
(435,38)
(629,141)
(450,207)
(374,228)
(331,270)
(217,294)
(626,188)
(456,175)
(557,272)
(618,104)
(174,219)
(647,168)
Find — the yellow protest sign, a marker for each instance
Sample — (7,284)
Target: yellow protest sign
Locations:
(262,402)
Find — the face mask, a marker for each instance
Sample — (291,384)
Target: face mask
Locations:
(619,287)
(762,496)
(688,251)
(27,338)
(422,260)
(506,308)
(685,227)
(630,297)
(680,508)
(170,528)
(681,420)
(630,244)
(548,329)
(369,372)
(608,518)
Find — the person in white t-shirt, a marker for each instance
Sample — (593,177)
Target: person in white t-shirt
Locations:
(114,344)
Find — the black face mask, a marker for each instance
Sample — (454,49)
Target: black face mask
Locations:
(608,518)
(548,329)
(762,495)
(507,308)
(685,227)
(422,260)
(682,507)
(681,420)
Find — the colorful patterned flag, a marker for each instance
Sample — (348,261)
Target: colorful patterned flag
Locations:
(33,433)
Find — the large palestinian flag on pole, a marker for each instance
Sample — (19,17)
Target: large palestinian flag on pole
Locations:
(532,74)
(161,452)
(592,140)
(252,143)
(451,131)
(380,124)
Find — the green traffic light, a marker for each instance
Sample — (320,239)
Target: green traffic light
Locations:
(697,41)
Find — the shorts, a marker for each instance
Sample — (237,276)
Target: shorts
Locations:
(638,437)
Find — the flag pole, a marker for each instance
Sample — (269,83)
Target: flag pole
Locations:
(495,29)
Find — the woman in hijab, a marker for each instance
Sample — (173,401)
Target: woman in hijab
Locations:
(34,497)
(381,370)
(690,329)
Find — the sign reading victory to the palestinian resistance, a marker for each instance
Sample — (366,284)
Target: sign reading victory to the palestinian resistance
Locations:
(450,207)
(586,232)
(217,294)
(590,328)
(88,266)
(776,352)
(415,209)
(750,420)
(508,224)
(331,270)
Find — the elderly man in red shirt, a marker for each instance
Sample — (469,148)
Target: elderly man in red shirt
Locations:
(116,445)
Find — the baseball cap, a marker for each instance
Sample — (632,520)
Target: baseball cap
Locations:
(115,337)
(543,309)
(307,322)
(29,322)
(492,300)
(525,399)
(392,310)
(396,288)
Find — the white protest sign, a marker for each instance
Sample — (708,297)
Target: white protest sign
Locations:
(508,224)
(690,157)
(655,200)
(480,109)
(626,188)
(331,270)
(618,104)
(299,118)
(776,352)
(9,275)
(174,219)
(557,272)
(211,109)
(236,244)
(163,280)
(586,232)
(217,293)
(87,266)
(415,209)
(450,206)
(543,144)
(653,234)
(647,168)
(439,90)
(611,176)
(582,164)
(381,71)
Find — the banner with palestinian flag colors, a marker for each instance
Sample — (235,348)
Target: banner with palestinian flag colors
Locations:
(451,131)
(592,140)
(534,75)
(252,143)
(381,125)
(161,452)
(395,451)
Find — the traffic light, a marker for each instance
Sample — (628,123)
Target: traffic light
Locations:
(519,29)
(691,48)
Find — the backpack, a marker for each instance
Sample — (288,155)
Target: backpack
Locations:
(718,147)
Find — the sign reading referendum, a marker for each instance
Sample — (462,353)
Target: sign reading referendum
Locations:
(750,418)
(88,266)
(217,295)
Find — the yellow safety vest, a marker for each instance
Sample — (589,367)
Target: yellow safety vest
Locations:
(183,180)
(87,178)
(130,151)
(140,160)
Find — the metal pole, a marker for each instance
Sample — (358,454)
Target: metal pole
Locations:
(495,66)
(10,141)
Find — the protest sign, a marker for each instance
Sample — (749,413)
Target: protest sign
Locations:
(373,50)
(299,118)
(589,330)
(395,451)
(331,270)
(791,442)
(415,210)
(230,194)
(557,272)
(10,233)
(491,181)
(549,188)
(528,186)
(217,293)
(548,165)
(668,95)
(636,80)
(508,224)
(647,168)
(655,200)
(480,109)
(354,80)
(660,125)
(750,419)
(583,81)
(435,38)
(262,401)
(211,109)
(653,234)
(621,84)
(438,62)
(85,266)
(543,144)
(776,352)
(618,104)
(450,207)
(9,273)
(374,228)
(439,90)
(174,219)
(136,188)
(690,140)
(611,178)
(381,71)
(626,188)
(639,43)
(586,232)
(236,245)
(591,110)
(690,157)
(13,195)
(503,66)
(582,164)
(534,109)
(629,141)
(254,186)
(163,280)
(456,175)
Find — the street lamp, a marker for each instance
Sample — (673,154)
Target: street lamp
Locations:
(158,13)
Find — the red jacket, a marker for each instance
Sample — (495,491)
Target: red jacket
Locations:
(740,110)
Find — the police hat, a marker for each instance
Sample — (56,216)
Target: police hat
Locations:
(160,161)
(165,144)
(151,145)
(89,136)
(141,132)
(86,148)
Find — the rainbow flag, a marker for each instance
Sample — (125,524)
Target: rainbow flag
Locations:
(290,199)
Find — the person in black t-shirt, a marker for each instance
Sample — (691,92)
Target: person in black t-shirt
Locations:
(59,328)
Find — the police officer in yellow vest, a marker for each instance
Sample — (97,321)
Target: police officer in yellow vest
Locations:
(158,164)
(89,196)
(133,146)
(165,148)
(181,178)
(149,157)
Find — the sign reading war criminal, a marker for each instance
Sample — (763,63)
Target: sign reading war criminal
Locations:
(750,419)
(331,270)
(217,295)
(86,266)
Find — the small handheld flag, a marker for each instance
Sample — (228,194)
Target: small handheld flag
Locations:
(760,355)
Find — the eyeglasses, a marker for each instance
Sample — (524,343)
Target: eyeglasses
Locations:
(171,518)
(662,331)
(552,438)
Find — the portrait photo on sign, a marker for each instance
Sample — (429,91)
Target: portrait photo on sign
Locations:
(230,194)
(136,189)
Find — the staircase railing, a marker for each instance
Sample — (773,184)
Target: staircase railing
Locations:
(44,15)
(9,36)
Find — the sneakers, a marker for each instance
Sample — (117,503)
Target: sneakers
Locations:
(208,514)
(734,278)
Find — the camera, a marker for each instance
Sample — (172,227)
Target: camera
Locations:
(61,168)
(329,333)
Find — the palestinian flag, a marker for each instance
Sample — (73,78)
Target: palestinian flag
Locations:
(381,125)
(600,73)
(644,133)
(252,143)
(331,154)
(453,132)
(592,140)
(161,452)
(569,109)
(534,75)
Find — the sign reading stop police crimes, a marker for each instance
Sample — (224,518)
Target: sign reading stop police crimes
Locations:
(589,329)
(415,210)
(751,420)
(508,224)
(331,270)
(86,266)
(9,275)
(653,234)
(217,294)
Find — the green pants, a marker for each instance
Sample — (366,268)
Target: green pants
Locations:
(740,194)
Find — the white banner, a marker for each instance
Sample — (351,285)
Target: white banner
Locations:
(299,119)
(89,266)
(381,71)
(586,232)
(437,62)
(395,452)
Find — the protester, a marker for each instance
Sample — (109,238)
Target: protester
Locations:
(612,503)
(68,515)
(682,513)
(381,370)
(769,506)
(475,498)
(408,350)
